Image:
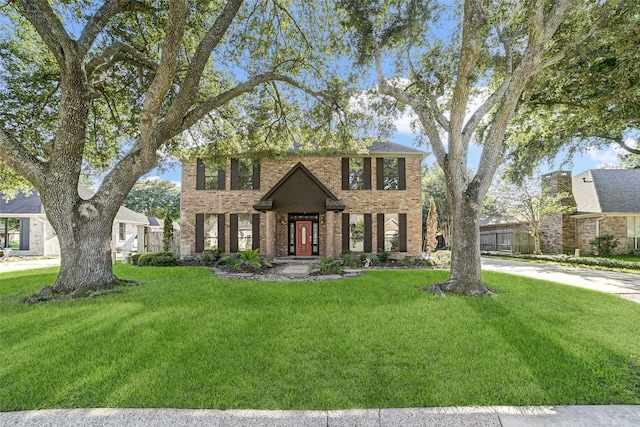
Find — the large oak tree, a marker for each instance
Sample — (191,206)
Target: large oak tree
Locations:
(497,48)
(106,86)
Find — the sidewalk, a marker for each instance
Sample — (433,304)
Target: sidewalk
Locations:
(499,416)
(24,263)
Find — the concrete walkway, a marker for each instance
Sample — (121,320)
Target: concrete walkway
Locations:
(498,416)
(626,285)
(24,263)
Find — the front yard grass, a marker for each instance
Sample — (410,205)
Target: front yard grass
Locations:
(186,339)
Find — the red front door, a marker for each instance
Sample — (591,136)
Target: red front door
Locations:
(303,238)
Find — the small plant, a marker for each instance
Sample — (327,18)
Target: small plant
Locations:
(348,260)
(330,265)
(604,245)
(247,259)
(206,259)
(363,258)
(405,261)
(382,255)
(212,256)
(157,259)
(442,258)
(135,257)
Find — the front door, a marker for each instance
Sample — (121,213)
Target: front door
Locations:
(303,238)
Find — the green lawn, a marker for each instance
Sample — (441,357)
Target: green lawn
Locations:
(189,340)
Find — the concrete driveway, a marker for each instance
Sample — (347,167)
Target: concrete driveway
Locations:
(24,263)
(623,284)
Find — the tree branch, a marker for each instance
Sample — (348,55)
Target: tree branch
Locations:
(49,27)
(189,90)
(101,18)
(21,160)
(115,53)
(171,128)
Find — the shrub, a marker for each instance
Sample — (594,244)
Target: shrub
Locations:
(248,259)
(604,245)
(405,261)
(157,259)
(348,260)
(330,266)
(363,258)
(382,255)
(135,257)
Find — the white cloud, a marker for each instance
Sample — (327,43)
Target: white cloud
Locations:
(606,157)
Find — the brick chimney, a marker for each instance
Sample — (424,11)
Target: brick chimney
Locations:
(558,235)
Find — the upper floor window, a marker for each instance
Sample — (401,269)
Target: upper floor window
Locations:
(356,173)
(245,175)
(210,175)
(390,174)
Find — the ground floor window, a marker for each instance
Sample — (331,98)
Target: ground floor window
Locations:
(244,230)
(14,233)
(633,233)
(211,232)
(356,232)
(122,231)
(391,232)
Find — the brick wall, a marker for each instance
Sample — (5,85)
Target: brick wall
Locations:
(328,171)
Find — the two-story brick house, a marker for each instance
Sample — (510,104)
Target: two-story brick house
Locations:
(311,205)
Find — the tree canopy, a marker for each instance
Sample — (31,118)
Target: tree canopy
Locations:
(588,101)
(155,197)
(106,87)
(441,73)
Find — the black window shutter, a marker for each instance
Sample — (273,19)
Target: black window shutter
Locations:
(345,173)
(345,231)
(256,177)
(402,232)
(234,173)
(222,176)
(367,173)
(199,232)
(367,233)
(233,233)
(199,175)
(221,230)
(402,176)
(379,173)
(24,234)
(380,235)
(255,231)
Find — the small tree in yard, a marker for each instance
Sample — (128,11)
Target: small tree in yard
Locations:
(604,244)
(531,204)
(432,228)
(167,232)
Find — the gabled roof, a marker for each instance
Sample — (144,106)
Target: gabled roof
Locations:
(607,190)
(22,205)
(299,190)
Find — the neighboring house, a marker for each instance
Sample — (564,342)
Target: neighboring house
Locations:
(606,201)
(305,205)
(25,229)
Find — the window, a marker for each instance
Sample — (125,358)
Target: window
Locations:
(211,231)
(122,231)
(356,173)
(245,175)
(356,232)
(390,174)
(245,232)
(633,233)
(210,175)
(10,233)
(391,232)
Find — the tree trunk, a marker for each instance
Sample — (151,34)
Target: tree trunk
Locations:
(466,269)
(85,259)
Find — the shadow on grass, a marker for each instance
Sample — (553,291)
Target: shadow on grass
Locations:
(570,370)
